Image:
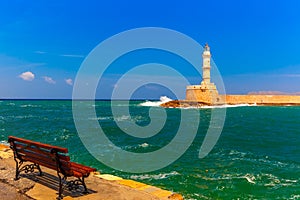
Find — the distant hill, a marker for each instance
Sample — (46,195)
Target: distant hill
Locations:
(272,93)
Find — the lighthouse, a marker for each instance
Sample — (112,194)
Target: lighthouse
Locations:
(206,83)
(206,92)
(206,65)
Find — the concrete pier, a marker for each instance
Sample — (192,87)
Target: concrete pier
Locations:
(100,186)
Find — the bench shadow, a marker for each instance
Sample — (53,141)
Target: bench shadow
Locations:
(52,182)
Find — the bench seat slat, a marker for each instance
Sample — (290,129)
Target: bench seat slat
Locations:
(36,148)
(35,155)
(44,155)
(43,161)
(36,151)
(46,146)
(77,166)
(50,165)
(32,147)
(81,170)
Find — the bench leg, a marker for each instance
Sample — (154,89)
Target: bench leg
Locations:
(26,168)
(74,185)
(71,185)
(18,169)
(85,189)
(39,168)
(60,187)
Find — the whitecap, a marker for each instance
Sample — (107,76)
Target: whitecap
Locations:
(162,99)
(249,178)
(122,118)
(29,105)
(291,181)
(234,152)
(144,145)
(154,176)
(295,196)
(100,118)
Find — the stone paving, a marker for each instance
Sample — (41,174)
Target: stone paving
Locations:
(100,186)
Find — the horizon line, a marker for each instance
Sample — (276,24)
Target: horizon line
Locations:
(67,99)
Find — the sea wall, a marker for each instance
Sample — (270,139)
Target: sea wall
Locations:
(268,100)
(262,99)
(211,97)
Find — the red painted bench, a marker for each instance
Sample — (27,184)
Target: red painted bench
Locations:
(49,156)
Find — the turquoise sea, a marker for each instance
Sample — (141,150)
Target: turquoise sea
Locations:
(256,157)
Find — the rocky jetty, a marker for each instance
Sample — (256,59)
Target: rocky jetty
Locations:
(184,104)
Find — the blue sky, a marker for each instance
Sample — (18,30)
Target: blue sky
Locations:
(255,44)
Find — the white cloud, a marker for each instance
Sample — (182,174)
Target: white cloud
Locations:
(69,81)
(27,76)
(49,79)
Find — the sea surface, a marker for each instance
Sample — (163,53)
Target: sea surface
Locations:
(256,157)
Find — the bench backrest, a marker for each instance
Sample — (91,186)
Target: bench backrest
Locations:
(53,157)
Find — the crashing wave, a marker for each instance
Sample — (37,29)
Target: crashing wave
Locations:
(162,99)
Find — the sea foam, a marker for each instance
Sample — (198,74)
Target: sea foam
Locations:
(162,99)
(154,176)
(165,99)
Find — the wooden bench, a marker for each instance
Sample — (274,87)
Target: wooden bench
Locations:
(49,156)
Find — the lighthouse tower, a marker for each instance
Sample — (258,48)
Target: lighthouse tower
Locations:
(206,65)
(206,92)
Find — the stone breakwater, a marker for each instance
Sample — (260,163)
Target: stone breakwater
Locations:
(266,100)
(183,104)
(262,99)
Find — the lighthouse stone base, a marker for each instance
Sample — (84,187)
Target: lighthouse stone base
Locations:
(206,93)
